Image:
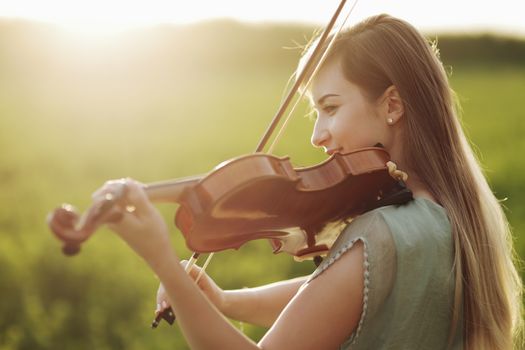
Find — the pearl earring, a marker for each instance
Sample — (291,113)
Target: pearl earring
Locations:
(390,121)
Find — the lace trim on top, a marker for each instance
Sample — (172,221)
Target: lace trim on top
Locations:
(366,275)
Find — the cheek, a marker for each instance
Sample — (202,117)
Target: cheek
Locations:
(356,129)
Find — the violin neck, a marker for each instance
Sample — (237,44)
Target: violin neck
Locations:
(170,191)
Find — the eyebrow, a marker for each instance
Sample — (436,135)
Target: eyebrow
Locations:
(321,100)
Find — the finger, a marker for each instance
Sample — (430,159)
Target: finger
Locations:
(184,263)
(112,186)
(131,200)
(159,305)
(162,305)
(114,215)
(192,271)
(120,220)
(136,196)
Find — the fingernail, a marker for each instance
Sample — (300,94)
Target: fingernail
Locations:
(164,304)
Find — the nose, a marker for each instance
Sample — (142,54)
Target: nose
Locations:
(320,135)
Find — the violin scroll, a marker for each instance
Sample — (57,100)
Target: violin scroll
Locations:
(73,229)
(61,222)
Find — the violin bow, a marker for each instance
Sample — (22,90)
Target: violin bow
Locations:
(318,51)
(323,54)
(167,314)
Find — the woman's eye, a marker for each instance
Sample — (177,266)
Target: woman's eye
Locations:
(329,109)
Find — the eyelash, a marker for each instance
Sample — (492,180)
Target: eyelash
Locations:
(329,109)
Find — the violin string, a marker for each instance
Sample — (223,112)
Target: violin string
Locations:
(310,78)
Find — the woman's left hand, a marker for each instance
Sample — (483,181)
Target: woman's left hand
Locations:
(139,223)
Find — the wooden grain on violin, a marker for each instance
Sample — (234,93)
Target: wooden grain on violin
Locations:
(263,196)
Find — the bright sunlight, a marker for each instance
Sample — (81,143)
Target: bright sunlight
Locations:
(102,17)
(106,17)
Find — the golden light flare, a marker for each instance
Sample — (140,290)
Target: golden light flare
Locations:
(101,18)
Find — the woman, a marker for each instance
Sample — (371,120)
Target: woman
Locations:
(431,274)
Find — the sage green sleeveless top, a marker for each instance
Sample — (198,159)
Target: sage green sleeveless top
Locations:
(408,277)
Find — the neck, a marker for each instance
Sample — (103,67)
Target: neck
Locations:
(414,183)
(418,188)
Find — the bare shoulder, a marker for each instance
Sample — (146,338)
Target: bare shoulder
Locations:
(326,310)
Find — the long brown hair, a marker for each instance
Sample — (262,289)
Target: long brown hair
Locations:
(382,51)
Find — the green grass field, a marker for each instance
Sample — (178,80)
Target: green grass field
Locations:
(73,116)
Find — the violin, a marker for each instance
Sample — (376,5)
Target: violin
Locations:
(257,196)
(260,196)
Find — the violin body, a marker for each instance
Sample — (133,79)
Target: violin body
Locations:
(263,196)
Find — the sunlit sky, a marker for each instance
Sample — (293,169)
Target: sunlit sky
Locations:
(109,15)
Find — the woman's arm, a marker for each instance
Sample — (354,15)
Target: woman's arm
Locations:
(322,314)
(260,305)
(202,324)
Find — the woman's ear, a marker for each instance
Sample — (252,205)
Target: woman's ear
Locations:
(391,105)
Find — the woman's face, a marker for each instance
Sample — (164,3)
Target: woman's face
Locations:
(346,119)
